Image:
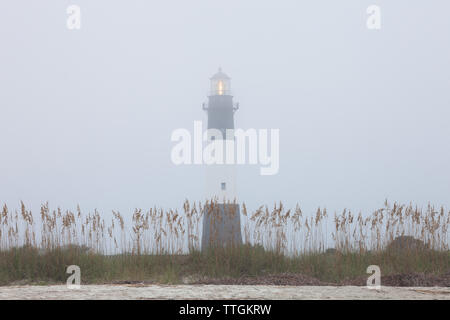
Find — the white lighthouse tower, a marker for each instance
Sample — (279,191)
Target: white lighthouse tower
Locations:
(221,222)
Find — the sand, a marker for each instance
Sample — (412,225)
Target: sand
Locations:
(61,292)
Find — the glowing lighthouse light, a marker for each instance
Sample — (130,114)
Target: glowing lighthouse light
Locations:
(220,88)
(220,84)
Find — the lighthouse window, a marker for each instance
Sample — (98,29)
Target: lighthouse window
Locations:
(224,186)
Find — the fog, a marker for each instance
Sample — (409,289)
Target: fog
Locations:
(86,115)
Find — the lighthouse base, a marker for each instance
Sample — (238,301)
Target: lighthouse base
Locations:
(221,226)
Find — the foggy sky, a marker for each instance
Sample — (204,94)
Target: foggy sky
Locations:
(86,116)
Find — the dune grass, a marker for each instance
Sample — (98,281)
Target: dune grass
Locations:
(164,246)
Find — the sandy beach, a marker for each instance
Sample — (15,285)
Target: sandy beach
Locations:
(137,291)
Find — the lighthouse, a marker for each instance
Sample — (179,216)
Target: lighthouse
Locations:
(221,217)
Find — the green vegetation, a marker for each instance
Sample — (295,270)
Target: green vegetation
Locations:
(27,265)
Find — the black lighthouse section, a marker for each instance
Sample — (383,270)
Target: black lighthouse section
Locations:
(221,113)
(221,225)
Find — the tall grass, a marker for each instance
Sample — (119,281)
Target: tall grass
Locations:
(165,244)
